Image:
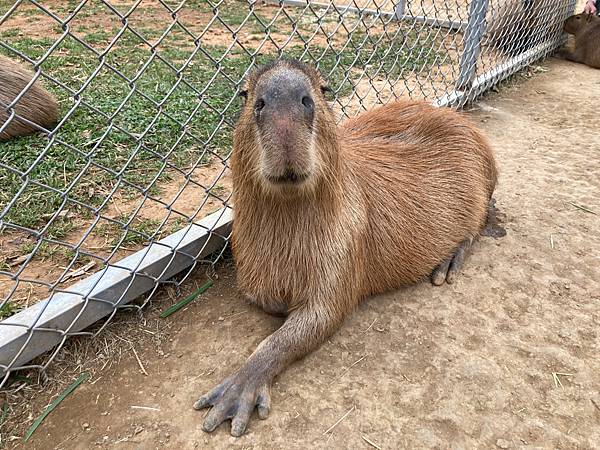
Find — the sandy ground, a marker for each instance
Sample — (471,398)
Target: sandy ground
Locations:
(505,358)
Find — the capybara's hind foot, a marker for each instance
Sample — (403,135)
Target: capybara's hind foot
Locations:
(492,227)
(448,269)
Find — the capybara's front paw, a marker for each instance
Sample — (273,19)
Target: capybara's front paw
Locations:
(235,399)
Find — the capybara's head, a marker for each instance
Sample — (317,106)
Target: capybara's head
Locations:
(289,124)
(578,22)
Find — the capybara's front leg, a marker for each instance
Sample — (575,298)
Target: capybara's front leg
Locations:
(237,396)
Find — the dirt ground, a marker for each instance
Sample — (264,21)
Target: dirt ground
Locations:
(507,357)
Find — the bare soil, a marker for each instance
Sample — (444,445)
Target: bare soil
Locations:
(507,357)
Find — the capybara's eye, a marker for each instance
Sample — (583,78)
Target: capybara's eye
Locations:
(308,102)
(259,105)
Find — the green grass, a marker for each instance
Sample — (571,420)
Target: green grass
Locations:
(117,126)
(7,310)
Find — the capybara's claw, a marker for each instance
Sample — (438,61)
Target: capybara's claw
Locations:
(449,268)
(235,398)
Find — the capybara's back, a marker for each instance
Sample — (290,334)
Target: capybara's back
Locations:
(427,175)
(36,105)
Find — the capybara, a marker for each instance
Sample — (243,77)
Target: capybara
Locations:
(586,29)
(37,106)
(515,26)
(326,216)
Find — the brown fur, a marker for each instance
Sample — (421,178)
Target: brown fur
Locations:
(37,105)
(586,29)
(392,193)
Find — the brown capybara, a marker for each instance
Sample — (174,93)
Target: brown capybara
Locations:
(326,216)
(586,29)
(37,106)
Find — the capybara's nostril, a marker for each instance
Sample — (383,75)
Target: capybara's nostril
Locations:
(308,102)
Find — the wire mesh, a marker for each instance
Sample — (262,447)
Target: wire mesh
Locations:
(147,91)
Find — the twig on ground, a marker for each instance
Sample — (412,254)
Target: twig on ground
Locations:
(139,361)
(557,382)
(370,442)
(371,326)
(79,272)
(583,208)
(147,408)
(339,420)
(349,367)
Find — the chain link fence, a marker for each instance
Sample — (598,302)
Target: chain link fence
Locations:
(130,190)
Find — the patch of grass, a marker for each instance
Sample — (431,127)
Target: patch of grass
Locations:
(177,224)
(43,251)
(218,190)
(50,250)
(60,228)
(7,310)
(138,231)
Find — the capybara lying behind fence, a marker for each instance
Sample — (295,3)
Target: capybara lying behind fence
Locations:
(37,105)
(326,216)
(586,29)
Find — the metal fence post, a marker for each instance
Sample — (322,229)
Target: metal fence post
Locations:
(571,7)
(472,43)
(400,7)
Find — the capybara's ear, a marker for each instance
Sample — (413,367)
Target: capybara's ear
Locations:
(243,93)
(325,89)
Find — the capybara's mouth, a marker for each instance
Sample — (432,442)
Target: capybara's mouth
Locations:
(290,177)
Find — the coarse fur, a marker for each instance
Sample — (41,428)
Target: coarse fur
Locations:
(515,26)
(385,198)
(37,105)
(586,29)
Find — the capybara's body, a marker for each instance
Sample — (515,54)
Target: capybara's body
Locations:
(586,29)
(327,215)
(37,105)
(411,183)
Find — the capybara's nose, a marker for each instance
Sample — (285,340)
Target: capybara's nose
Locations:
(276,97)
